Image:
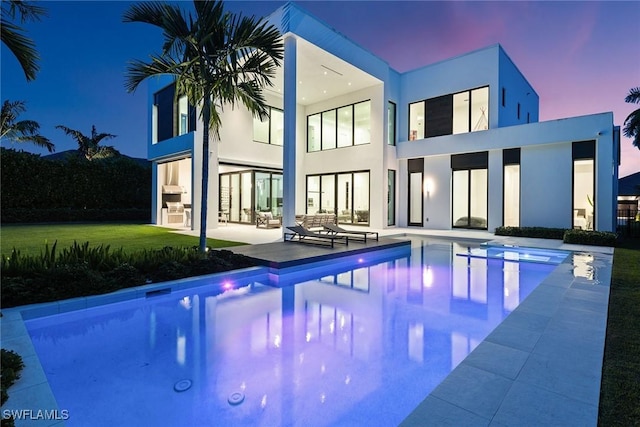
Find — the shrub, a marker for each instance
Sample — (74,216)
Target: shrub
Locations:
(596,238)
(539,232)
(82,270)
(10,366)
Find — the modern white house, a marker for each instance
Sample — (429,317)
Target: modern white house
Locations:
(455,144)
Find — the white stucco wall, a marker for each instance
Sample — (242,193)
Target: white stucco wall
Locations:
(518,91)
(545,183)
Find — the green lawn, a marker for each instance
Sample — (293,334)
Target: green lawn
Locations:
(620,389)
(30,239)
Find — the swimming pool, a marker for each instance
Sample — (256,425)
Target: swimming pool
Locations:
(348,346)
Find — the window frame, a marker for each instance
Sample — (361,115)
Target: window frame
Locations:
(320,114)
(270,128)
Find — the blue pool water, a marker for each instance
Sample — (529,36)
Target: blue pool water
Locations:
(517,254)
(362,345)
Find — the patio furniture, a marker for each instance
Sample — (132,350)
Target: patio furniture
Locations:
(334,230)
(267,220)
(301,234)
(315,221)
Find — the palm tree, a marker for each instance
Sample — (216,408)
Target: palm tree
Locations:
(217,58)
(13,37)
(632,122)
(89,146)
(23,130)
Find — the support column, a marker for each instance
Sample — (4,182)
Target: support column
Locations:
(289,149)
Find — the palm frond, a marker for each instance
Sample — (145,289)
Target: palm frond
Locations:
(27,10)
(634,96)
(21,131)
(22,47)
(632,127)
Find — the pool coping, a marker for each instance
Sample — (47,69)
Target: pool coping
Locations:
(541,366)
(518,366)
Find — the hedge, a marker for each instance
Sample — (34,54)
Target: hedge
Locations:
(36,188)
(595,238)
(540,232)
(581,237)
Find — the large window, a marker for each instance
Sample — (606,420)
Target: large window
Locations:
(584,200)
(391,123)
(470,190)
(339,127)
(344,194)
(460,112)
(511,187)
(269,130)
(391,197)
(183,115)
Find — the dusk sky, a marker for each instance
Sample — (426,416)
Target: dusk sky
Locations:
(580,57)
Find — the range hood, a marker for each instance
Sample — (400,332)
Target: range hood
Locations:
(171,189)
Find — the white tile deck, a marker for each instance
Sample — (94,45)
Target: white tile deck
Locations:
(541,366)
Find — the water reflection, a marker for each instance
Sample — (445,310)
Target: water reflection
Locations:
(325,351)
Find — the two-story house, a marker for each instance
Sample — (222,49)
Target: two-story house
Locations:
(456,144)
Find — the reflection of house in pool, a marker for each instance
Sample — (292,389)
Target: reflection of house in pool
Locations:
(455,144)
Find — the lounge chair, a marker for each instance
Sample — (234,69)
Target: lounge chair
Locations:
(301,234)
(334,230)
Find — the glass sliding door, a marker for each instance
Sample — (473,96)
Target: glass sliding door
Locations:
(345,194)
(243,193)
(583,190)
(460,198)
(246,196)
(263,191)
(415,198)
(511,196)
(361,197)
(470,198)
(234,209)
(584,195)
(478,198)
(313,194)
(327,194)
(416,192)
(345,198)
(276,194)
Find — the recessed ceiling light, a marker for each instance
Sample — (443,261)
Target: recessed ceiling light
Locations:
(349,83)
(300,82)
(324,91)
(325,73)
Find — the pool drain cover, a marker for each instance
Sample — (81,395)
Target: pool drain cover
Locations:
(182,385)
(235,398)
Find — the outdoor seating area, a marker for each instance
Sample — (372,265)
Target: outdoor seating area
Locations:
(301,234)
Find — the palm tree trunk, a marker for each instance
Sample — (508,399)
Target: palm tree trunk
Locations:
(206,114)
